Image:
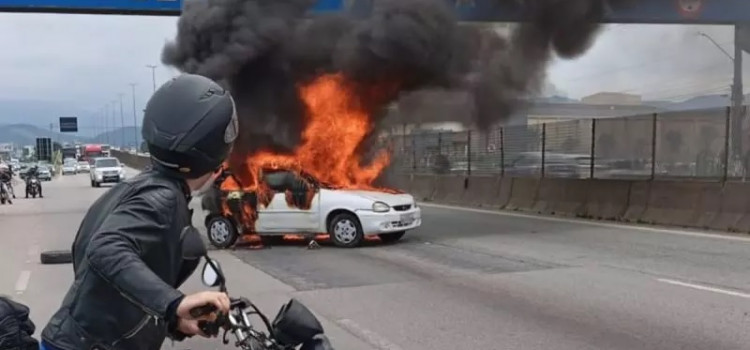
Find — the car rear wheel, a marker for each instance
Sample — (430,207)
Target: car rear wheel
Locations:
(391,237)
(346,231)
(222,233)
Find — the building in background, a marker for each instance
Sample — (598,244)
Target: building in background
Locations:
(6,151)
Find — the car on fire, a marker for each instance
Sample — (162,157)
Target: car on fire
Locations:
(299,204)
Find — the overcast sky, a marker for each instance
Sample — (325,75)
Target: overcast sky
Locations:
(86,61)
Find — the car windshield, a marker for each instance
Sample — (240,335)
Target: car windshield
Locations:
(107,163)
(83,163)
(43,168)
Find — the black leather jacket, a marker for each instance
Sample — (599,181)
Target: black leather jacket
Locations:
(127,259)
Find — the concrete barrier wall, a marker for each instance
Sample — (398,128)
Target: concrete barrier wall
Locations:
(692,204)
(705,205)
(134,161)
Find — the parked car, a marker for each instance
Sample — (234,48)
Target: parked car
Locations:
(347,215)
(106,170)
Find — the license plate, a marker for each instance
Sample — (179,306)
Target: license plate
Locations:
(407,219)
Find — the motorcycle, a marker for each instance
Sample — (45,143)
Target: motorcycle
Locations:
(32,187)
(294,325)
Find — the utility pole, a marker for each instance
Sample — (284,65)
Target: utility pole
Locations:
(122,122)
(738,97)
(135,121)
(153,74)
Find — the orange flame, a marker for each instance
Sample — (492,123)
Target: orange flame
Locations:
(336,125)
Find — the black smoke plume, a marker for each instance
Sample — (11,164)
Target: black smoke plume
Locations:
(262,49)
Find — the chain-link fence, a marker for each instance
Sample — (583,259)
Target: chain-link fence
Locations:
(704,144)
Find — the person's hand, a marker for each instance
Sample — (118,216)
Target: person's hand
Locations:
(189,327)
(218,299)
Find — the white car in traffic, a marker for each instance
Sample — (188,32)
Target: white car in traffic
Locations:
(346,215)
(106,170)
(70,167)
(84,167)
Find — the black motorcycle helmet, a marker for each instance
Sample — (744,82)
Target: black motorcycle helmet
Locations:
(189,125)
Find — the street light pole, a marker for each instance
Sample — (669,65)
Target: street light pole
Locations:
(122,122)
(135,120)
(106,123)
(153,74)
(114,119)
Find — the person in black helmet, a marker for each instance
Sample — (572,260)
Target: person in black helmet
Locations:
(127,254)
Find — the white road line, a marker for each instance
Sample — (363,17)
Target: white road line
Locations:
(368,336)
(705,288)
(717,235)
(23,281)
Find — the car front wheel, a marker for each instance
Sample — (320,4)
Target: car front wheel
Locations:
(222,233)
(346,231)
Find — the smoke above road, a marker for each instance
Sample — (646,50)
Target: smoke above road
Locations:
(262,50)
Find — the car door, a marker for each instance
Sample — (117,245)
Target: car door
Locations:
(287,210)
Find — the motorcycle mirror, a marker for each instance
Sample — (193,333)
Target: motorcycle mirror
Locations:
(295,324)
(212,275)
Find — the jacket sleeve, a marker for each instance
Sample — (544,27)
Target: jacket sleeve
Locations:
(137,226)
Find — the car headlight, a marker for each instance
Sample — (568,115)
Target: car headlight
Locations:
(380,207)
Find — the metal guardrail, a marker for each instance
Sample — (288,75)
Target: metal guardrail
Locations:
(695,144)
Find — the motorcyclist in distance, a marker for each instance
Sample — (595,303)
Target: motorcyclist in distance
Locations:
(128,254)
(33,173)
(6,177)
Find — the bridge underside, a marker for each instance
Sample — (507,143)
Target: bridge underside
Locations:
(634,11)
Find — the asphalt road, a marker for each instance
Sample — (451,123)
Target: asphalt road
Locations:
(465,280)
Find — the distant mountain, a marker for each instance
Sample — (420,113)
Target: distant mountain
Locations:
(120,137)
(43,113)
(25,134)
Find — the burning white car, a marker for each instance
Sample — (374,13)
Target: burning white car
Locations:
(296,204)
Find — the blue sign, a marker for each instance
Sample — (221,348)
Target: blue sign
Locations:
(641,11)
(136,7)
(68,124)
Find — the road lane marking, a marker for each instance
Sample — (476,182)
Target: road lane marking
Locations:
(705,288)
(23,281)
(717,235)
(368,336)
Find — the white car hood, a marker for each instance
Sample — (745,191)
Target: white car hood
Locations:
(387,198)
(109,169)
